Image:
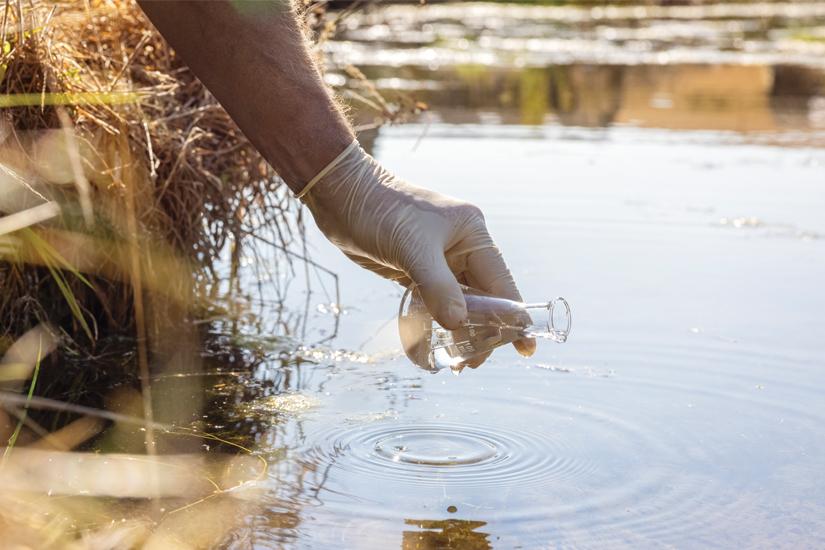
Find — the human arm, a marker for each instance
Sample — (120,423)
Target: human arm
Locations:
(253,57)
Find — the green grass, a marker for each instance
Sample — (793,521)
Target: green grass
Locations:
(16,433)
(56,264)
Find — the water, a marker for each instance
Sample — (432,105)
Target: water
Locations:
(659,451)
(686,409)
(677,205)
(667,178)
(754,69)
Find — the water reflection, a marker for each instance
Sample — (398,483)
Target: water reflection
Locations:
(528,35)
(741,68)
(446,534)
(741,98)
(641,433)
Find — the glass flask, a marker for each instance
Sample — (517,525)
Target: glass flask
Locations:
(491,322)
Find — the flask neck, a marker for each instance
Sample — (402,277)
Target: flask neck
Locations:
(551,320)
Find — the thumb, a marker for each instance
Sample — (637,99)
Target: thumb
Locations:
(439,289)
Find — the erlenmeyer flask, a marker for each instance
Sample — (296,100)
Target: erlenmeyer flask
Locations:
(491,322)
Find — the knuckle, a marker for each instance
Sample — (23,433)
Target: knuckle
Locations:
(475,211)
(471,213)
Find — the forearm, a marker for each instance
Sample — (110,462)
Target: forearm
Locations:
(252,56)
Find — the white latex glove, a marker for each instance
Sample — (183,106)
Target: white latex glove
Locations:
(409,234)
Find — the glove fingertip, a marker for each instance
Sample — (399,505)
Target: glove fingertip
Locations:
(451,315)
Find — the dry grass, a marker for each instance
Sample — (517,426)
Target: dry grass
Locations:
(102,118)
(128,197)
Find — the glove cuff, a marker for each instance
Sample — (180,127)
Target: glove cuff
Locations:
(324,171)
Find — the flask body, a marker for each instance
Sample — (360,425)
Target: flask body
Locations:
(491,322)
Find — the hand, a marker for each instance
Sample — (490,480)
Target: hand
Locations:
(410,234)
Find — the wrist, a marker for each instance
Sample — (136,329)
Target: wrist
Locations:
(344,157)
(312,158)
(352,172)
(308,159)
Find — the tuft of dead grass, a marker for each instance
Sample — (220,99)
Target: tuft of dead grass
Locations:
(154,181)
(128,197)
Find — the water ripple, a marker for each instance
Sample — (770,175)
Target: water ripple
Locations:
(445,454)
(643,458)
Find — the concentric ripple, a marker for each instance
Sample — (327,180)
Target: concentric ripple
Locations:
(643,456)
(435,446)
(448,454)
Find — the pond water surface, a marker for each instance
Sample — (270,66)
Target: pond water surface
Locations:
(686,409)
(666,175)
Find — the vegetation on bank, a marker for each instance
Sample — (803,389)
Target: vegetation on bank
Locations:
(128,202)
(146,178)
(128,199)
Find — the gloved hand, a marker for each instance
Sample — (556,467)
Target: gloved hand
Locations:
(409,234)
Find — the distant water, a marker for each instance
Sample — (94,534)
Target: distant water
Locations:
(743,67)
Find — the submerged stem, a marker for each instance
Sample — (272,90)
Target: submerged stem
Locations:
(13,439)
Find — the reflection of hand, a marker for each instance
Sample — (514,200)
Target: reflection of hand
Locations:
(410,234)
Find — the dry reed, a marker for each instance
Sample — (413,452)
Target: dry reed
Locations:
(101,117)
(126,194)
